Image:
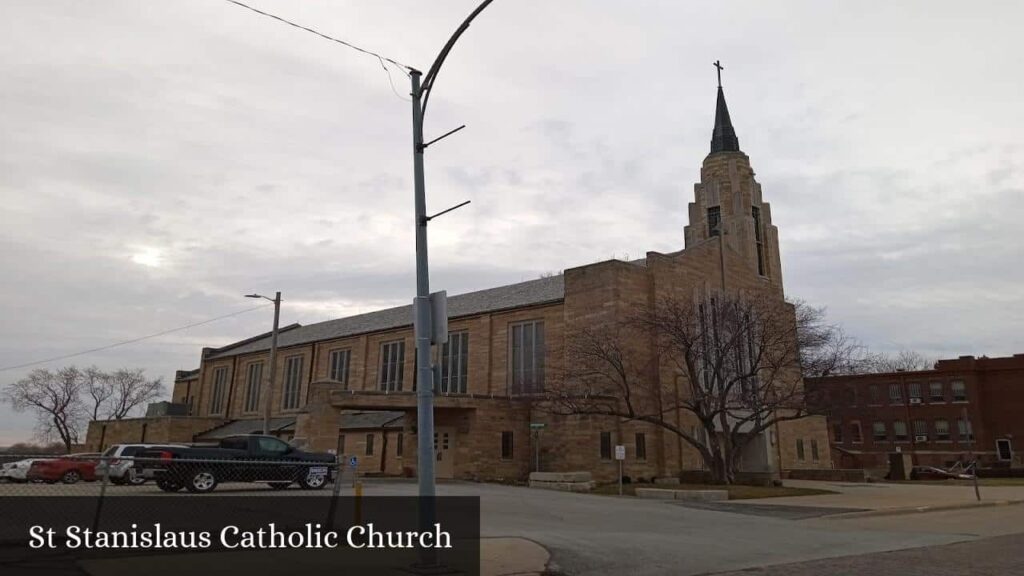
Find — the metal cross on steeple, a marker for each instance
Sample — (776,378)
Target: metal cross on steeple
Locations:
(718,64)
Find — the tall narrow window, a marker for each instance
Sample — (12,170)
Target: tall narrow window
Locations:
(400,445)
(253,381)
(899,431)
(873,394)
(338,369)
(392,365)
(641,446)
(506,445)
(959,390)
(455,363)
(758,239)
(800,449)
(920,431)
(895,393)
(369,444)
(292,382)
(714,221)
(814,449)
(606,445)
(526,358)
(964,429)
(220,384)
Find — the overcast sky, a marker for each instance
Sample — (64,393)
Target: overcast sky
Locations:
(161,159)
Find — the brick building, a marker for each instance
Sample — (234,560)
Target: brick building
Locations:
(506,342)
(961,407)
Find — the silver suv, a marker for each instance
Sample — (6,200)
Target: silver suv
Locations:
(119,462)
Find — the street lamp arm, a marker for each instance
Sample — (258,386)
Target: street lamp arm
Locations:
(428,80)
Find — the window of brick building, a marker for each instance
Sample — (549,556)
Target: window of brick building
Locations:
(758,239)
(914,392)
(369,444)
(837,433)
(292,382)
(641,446)
(455,363)
(899,431)
(253,379)
(895,393)
(874,395)
(220,385)
(959,390)
(814,449)
(506,445)
(964,430)
(606,445)
(338,368)
(400,445)
(935,392)
(920,431)
(800,449)
(526,358)
(856,435)
(879,433)
(341,443)
(942,430)
(392,366)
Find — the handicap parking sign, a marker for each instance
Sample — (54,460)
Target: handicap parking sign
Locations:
(353,461)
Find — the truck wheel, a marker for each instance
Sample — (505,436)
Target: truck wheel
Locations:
(201,481)
(71,476)
(279,485)
(168,486)
(312,482)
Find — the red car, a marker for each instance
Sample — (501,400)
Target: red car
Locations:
(68,469)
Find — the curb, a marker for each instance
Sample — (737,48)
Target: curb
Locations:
(922,509)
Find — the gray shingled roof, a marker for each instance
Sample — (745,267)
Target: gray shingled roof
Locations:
(252,426)
(540,291)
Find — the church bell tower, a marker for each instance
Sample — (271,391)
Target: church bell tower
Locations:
(728,207)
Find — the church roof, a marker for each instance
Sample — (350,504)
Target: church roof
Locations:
(723,138)
(529,293)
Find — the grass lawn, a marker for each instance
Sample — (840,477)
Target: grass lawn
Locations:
(736,491)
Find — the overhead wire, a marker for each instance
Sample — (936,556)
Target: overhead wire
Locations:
(132,341)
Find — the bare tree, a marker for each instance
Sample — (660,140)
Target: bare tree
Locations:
(902,361)
(825,348)
(736,360)
(55,399)
(131,389)
(99,389)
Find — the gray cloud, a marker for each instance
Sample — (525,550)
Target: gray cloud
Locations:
(161,160)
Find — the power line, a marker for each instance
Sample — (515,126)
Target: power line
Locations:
(382,59)
(132,341)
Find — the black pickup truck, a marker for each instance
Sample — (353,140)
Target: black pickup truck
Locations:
(244,458)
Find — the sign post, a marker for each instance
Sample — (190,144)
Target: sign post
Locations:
(620,455)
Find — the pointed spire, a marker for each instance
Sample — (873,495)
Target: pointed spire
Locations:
(723,138)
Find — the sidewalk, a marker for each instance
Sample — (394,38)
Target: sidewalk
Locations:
(876,498)
(508,556)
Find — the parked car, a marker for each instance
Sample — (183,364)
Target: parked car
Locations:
(67,469)
(16,471)
(118,461)
(242,458)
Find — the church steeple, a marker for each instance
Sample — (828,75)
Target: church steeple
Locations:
(723,138)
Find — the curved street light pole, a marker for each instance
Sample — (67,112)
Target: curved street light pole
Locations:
(423,322)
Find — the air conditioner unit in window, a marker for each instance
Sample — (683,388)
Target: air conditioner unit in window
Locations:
(921,438)
(915,400)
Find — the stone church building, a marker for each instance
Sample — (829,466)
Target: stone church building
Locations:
(347,385)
